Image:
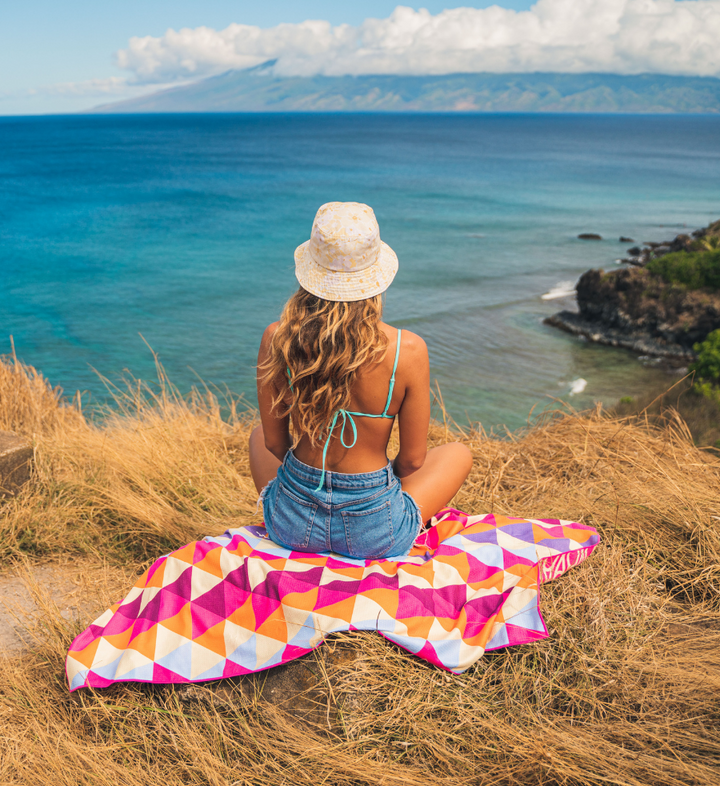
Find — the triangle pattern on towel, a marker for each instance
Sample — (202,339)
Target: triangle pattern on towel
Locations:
(240,603)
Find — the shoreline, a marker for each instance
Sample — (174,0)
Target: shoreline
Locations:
(634,308)
(573,322)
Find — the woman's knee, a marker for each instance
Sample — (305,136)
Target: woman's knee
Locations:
(462,456)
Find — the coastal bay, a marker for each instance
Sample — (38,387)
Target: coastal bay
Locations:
(182,228)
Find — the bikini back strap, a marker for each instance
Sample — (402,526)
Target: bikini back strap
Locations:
(346,416)
(392,378)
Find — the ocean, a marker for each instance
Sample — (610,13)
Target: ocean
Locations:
(178,232)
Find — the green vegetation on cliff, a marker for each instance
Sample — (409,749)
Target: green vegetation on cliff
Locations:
(707,367)
(693,269)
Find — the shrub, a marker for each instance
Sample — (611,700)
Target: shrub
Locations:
(707,367)
(707,364)
(693,269)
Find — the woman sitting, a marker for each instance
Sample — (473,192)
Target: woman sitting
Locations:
(341,376)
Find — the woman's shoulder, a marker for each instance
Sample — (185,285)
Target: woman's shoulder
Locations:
(269,332)
(266,341)
(411,344)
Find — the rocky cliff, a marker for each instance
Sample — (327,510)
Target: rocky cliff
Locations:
(633,308)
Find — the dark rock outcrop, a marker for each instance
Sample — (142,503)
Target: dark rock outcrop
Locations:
(634,309)
(589,236)
(639,257)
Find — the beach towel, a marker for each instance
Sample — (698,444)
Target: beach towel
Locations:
(240,603)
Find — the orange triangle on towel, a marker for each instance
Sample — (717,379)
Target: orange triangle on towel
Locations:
(244,615)
(418,627)
(349,571)
(87,656)
(185,554)
(214,639)
(119,640)
(387,600)
(145,642)
(156,580)
(275,625)
(305,600)
(180,623)
(342,610)
(210,563)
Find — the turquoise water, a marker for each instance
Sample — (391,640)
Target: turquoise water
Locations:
(182,228)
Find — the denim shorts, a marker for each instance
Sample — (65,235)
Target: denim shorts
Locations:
(364,516)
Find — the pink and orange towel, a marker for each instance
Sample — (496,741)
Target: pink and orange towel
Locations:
(240,603)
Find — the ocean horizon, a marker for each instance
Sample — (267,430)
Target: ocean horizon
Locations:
(179,231)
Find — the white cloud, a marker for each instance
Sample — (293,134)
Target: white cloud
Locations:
(618,36)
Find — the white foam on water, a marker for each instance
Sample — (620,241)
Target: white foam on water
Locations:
(561,289)
(577,386)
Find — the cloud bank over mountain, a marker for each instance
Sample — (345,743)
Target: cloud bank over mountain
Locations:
(571,36)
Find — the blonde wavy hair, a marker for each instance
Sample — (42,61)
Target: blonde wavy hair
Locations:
(316,352)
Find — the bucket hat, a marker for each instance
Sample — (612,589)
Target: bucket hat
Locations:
(345,259)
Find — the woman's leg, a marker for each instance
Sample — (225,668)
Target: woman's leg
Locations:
(263,464)
(438,480)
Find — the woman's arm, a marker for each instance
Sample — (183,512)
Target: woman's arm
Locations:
(276,430)
(414,414)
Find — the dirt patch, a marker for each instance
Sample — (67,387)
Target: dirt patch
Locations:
(79,588)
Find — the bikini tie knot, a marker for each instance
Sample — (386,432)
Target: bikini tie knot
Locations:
(347,418)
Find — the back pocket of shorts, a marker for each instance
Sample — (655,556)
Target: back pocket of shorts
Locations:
(292,519)
(369,533)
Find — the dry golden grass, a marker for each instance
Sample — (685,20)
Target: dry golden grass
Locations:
(626,690)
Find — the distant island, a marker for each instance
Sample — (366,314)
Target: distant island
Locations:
(258,89)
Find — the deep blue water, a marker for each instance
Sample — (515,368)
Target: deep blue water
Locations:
(182,228)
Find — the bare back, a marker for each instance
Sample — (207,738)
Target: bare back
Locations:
(410,402)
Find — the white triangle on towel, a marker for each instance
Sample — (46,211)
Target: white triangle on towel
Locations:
(131,659)
(257,571)
(106,653)
(517,600)
(174,568)
(266,648)
(167,641)
(229,561)
(511,543)
(202,659)
(202,582)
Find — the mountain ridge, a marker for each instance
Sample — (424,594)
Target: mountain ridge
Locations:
(258,89)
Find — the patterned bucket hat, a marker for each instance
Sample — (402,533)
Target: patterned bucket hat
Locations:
(345,259)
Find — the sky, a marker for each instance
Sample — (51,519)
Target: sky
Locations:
(64,57)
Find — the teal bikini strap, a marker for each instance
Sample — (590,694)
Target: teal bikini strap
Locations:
(347,417)
(392,378)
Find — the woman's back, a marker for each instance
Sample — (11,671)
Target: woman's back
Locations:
(369,394)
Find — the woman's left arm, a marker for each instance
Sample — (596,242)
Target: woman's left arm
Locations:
(275,429)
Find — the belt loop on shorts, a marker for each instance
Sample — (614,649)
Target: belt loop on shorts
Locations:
(390,473)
